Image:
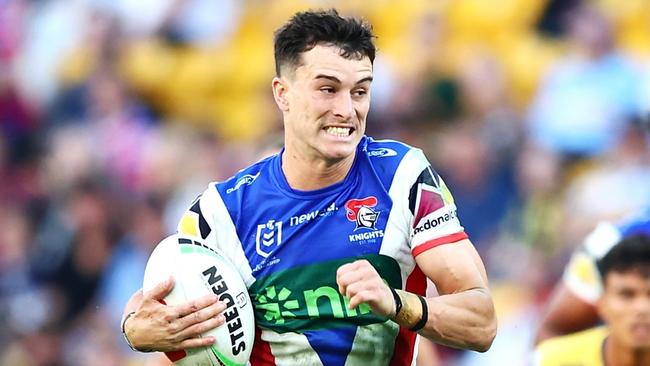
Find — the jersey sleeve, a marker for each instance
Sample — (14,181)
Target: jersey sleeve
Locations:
(208,220)
(198,220)
(433,220)
(581,276)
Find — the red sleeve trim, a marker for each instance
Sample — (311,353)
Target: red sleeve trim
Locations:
(439,241)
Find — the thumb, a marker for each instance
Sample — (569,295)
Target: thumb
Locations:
(161,290)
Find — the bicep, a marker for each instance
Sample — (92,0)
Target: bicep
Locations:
(453,267)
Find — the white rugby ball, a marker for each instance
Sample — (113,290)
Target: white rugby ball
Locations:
(199,270)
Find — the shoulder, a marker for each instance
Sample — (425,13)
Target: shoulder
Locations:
(576,348)
(606,235)
(393,161)
(389,155)
(384,148)
(637,224)
(246,177)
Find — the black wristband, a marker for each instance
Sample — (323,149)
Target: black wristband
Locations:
(398,301)
(425,316)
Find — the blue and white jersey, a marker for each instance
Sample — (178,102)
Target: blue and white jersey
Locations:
(288,244)
(581,275)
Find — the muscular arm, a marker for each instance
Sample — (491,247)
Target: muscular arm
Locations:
(463,316)
(566,313)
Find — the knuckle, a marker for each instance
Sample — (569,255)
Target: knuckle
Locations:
(174,327)
(196,316)
(221,306)
(194,331)
(208,326)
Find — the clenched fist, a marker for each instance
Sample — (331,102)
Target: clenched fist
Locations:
(360,282)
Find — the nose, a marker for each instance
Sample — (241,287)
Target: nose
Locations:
(343,107)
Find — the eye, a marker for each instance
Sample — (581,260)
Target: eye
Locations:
(327,90)
(359,92)
(626,294)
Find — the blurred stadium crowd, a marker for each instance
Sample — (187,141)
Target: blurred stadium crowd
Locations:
(114,114)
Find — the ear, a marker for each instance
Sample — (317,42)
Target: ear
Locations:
(280,91)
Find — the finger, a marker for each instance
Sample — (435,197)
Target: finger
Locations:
(344,280)
(361,263)
(161,290)
(196,342)
(351,277)
(195,305)
(353,289)
(197,329)
(360,297)
(340,274)
(203,314)
(352,266)
(344,268)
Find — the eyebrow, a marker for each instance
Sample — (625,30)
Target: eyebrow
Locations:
(336,80)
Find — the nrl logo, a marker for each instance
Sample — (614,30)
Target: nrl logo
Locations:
(360,212)
(268,236)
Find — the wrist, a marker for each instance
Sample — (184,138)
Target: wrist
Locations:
(411,310)
(123,328)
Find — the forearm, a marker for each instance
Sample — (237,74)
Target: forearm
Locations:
(464,319)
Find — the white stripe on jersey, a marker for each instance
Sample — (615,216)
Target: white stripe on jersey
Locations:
(395,242)
(366,343)
(223,235)
(295,349)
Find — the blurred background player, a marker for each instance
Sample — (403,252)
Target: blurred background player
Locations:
(624,306)
(572,306)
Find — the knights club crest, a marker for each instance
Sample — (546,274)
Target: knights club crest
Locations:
(361,212)
(268,237)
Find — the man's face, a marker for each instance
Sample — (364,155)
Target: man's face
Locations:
(625,307)
(325,102)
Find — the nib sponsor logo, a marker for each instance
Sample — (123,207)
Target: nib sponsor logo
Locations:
(277,305)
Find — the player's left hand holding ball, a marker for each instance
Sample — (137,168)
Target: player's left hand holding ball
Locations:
(360,282)
(158,327)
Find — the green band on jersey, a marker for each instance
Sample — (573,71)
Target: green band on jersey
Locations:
(307,297)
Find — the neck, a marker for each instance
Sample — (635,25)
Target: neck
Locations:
(617,354)
(307,174)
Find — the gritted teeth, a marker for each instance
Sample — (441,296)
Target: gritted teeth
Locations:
(339,131)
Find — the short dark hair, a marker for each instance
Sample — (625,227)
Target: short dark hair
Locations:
(307,29)
(630,254)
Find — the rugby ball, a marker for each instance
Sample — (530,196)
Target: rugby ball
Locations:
(200,270)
